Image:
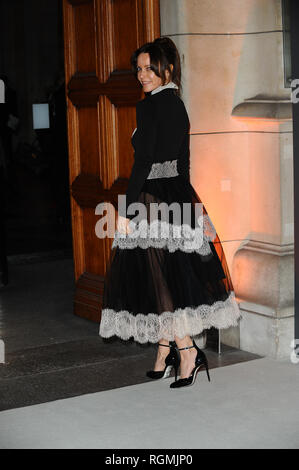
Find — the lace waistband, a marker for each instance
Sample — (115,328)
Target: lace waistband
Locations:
(166,169)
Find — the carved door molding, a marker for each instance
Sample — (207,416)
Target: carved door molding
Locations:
(99,38)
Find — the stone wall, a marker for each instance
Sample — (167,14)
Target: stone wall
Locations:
(241,153)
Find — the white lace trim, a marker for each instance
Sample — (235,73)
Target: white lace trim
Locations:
(167,169)
(183,321)
(160,234)
(162,87)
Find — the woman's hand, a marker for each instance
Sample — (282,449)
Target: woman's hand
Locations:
(123,225)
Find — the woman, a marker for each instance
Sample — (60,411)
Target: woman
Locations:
(158,287)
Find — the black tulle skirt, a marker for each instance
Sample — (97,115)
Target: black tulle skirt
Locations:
(159,287)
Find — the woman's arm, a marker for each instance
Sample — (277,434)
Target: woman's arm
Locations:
(184,159)
(144,152)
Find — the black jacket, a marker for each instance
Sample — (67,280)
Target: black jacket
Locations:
(162,134)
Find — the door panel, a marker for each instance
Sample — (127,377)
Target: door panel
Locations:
(100,36)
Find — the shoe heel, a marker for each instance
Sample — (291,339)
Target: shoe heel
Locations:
(176,371)
(173,360)
(167,372)
(170,361)
(202,359)
(207,370)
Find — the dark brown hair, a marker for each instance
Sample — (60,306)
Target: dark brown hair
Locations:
(162,52)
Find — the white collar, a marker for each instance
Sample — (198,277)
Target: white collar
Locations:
(162,87)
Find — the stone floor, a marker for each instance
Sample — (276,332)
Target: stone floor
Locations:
(52,354)
(248,405)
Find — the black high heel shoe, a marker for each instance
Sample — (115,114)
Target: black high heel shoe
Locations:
(200,361)
(172,360)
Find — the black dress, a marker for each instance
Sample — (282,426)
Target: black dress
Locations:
(158,284)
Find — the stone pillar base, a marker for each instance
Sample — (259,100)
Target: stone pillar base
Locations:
(260,333)
(264,285)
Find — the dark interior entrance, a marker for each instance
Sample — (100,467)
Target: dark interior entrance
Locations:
(34,176)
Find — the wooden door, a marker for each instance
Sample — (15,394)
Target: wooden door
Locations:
(99,37)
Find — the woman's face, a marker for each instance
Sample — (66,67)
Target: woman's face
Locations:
(146,75)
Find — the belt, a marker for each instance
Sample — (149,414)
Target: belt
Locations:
(166,169)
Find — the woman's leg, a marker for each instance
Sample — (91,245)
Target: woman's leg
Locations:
(187,356)
(161,355)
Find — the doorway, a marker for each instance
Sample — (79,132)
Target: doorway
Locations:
(35,182)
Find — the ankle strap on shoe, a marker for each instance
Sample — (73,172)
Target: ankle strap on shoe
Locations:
(167,345)
(188,347)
